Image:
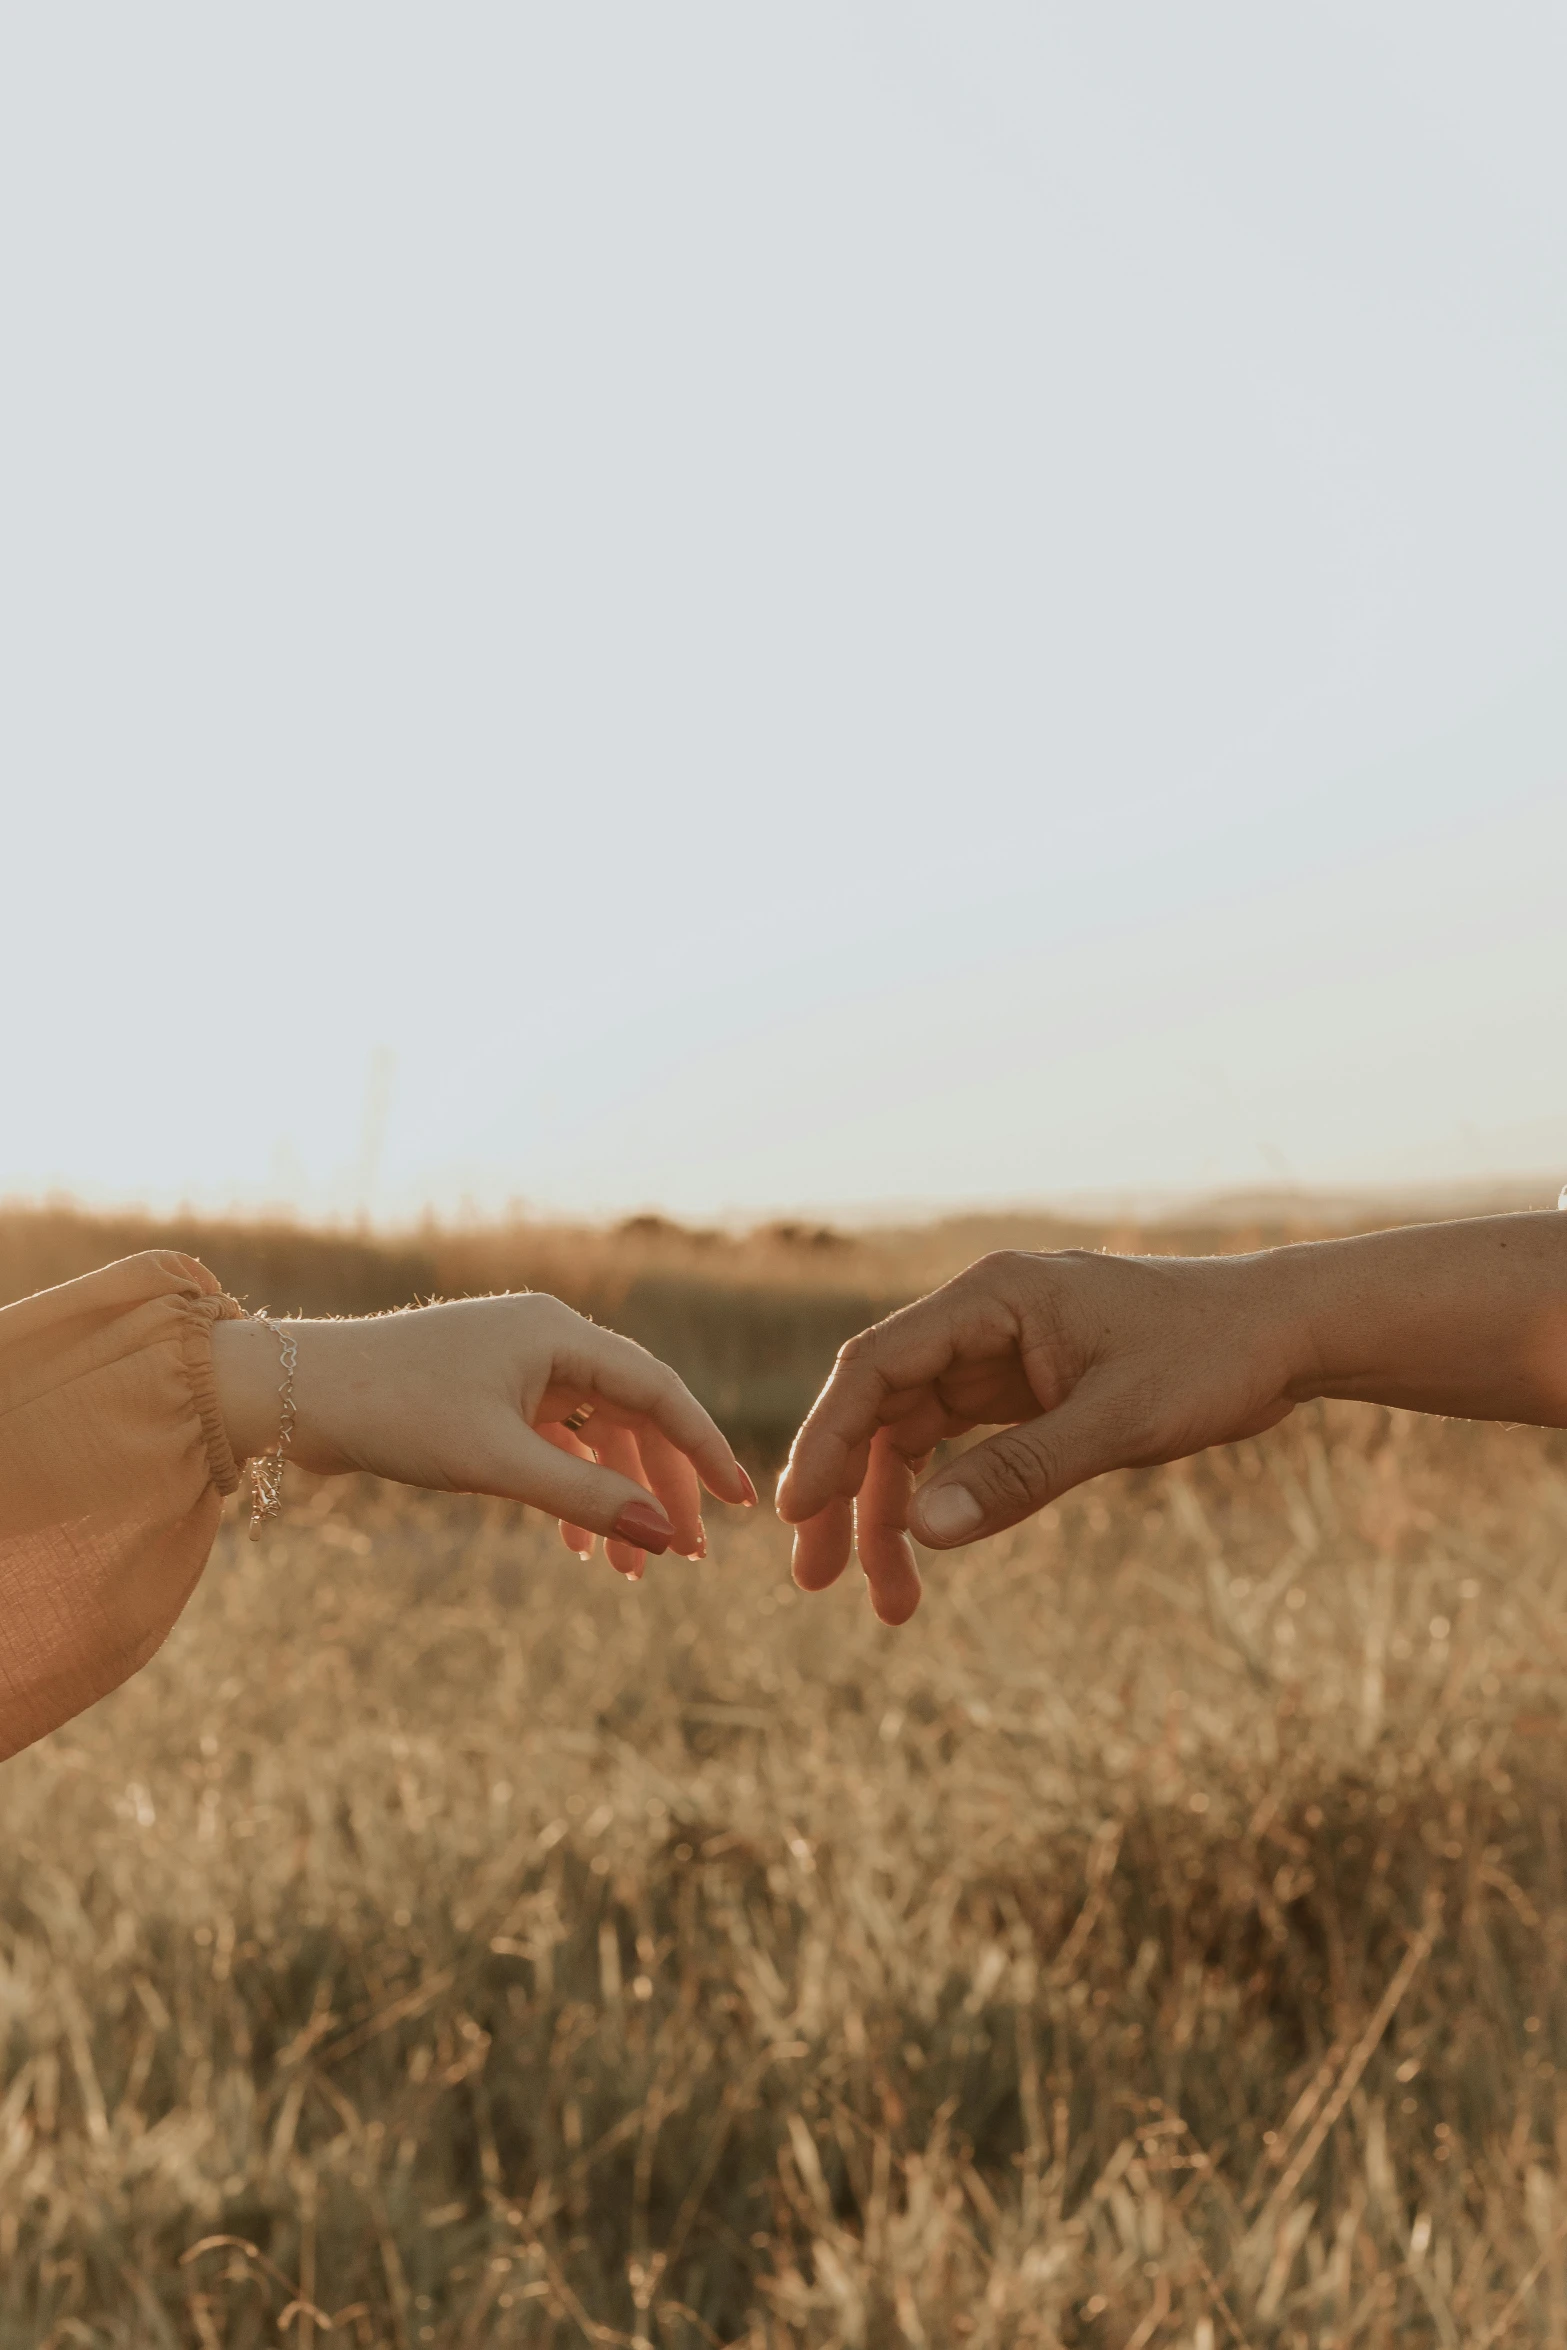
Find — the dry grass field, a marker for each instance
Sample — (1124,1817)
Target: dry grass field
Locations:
(1158,1942)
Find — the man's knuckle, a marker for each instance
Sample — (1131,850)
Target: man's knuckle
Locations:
(995,1270)
(1016,1472)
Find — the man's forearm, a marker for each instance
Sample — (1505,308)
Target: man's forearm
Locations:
(1466,1318)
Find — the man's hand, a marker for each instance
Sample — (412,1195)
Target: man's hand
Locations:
(1087,1363)
(1099,1362)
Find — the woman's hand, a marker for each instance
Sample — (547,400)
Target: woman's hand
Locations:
(472,1396)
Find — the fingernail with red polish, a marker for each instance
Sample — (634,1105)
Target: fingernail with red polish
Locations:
(643,1524)
(750,1489)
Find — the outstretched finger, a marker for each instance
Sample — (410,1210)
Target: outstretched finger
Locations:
(875,1378)
(880,1519)
(626,1375)
(823,1546)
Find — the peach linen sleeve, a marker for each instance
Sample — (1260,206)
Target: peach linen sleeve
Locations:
(113,1467)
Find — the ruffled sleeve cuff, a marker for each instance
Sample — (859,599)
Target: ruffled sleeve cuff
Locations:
(196,1354)
(113,1466)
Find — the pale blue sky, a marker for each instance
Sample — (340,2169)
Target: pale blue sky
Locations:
(832,605)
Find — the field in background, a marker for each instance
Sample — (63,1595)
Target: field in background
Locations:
(751,1321)
(1160,1941)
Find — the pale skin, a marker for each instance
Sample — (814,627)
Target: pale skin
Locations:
(1087,1363)
(472,1397)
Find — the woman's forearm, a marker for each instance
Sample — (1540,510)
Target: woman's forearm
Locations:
(245,1373)
(1466,1318)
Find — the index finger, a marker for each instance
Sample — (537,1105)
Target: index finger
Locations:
(870,1385)
(626,1375)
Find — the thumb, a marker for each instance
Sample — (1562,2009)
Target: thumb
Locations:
(525,1466)
(1013,1474)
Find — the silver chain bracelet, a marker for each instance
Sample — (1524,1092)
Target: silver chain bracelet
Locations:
(266,1471)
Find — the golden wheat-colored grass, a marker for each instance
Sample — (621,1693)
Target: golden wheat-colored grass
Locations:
(1160,1941)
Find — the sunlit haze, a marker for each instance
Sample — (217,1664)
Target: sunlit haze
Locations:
(736,609)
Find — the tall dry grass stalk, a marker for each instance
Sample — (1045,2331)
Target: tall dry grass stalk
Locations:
(1158,1942)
